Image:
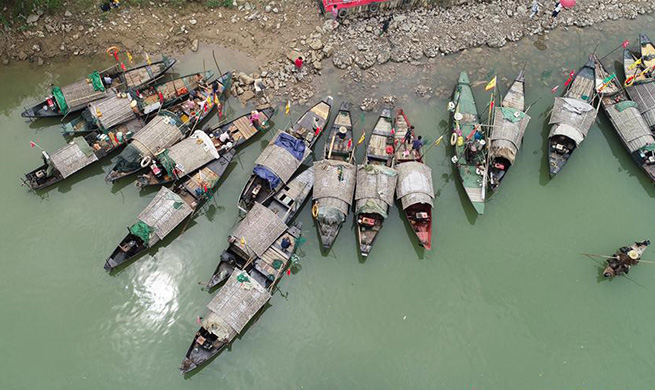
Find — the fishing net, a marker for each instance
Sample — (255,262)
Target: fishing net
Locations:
(167,162)
(61,99)
(330,215)
(142,230)
(512,114)
(129,159)
(622,106)
(243,278)
(96,81)
(372,207)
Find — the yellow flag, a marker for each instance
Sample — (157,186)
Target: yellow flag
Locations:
(438,141)
(634,64)
(129,56)
(361,139)
(148,59)
(287,108)
(491,84)
(243,241)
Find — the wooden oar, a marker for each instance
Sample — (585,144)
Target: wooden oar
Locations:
(609,257)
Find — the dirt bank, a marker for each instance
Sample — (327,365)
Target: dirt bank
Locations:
(273,33)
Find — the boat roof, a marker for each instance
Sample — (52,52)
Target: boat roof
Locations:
(239,300)
(165,212)
(258,230)
(334,179)
(414,183)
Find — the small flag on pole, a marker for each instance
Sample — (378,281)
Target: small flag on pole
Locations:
(361,139)
(350,143)
(287,108)
(148,59)
(568,80)
(32,144)
(289,271)
(492,84)
(129,57)
(438,141)
(555,88)
(635,64)
(625,43)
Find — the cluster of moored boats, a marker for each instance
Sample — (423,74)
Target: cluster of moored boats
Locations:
(157,124)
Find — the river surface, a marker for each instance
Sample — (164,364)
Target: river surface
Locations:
(503,300)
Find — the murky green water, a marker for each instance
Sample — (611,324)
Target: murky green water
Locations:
(504,300)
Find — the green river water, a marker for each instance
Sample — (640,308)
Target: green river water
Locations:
(503,301)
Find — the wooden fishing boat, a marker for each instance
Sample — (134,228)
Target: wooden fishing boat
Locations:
(414,187)
(74,97)
(144,102)
(165,130)
(190,156)
(167,211)
(237,303)
(626,119)
(625,258)
(376,183)
(510,122)
(469,141)
(572,116)
(261,227)
(640,79)
(335,179)
(284,154)
(81,152)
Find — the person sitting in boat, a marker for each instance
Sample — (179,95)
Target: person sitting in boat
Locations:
(624,258)
(417,144)
(469,152)
(190,105)
(107,81)
(254,118)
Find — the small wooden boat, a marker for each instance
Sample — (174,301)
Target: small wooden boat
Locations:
(469,140)
(190,155)
(626,119)
(335,179)
(69,99)
(376,183)
(510,122)
(261,227)
(624,259)
(165,130)
(640,80)
(81,152)
(414,187)
(168,210)
(284,154)
(237,303)
(572,116)
(144,102)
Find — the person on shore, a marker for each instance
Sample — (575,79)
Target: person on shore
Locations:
(534,9)
(556,11)
(298,62)
(335,12)
(385,25)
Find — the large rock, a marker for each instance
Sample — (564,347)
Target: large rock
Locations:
(194,45)
(342,59)
(245,79)
(316,44)
(33,18)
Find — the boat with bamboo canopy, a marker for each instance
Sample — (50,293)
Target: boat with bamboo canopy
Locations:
(510,122)
(259,232)
(165,130)
(414,188)
(335,179)
(143,102)
(168,210)
(469,141)
(284,154)
(571,118)
(626,119)
(187,156)
(62,101)
(241,298)
(376,183)
(640,78)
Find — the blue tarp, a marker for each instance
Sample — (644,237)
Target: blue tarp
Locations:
(267,175)
(293,145)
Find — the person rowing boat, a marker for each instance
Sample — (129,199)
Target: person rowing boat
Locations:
(624,258)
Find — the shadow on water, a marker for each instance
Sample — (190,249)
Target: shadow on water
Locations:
(420,251)
(544,171)
(469,210)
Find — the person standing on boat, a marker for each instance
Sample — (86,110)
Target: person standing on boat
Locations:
(408,135)
(285,244)
(417,144)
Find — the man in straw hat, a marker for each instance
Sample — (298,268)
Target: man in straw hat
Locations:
(624,258)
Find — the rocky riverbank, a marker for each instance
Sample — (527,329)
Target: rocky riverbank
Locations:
(274,33)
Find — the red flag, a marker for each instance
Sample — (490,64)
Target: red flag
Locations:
(318,130)
(393,131)
(32,144)
(220,111)
(289,271)
(123,66)
(568,81)
(554,89)
(492,105)
(350,143)
(625,43)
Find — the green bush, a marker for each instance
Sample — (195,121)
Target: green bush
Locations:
(213,3)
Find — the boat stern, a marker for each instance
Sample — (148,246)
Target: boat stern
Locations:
(463,78)
(328,233)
